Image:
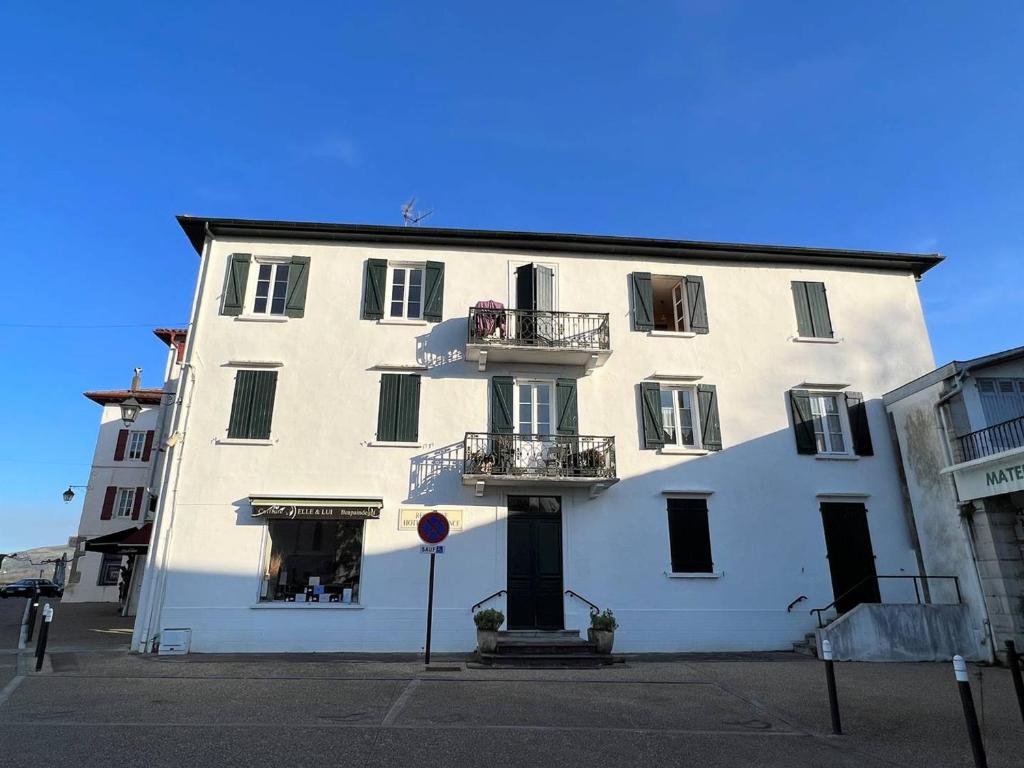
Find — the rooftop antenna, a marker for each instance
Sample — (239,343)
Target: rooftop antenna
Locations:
(412,217)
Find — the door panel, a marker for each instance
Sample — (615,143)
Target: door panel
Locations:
(534,567)
(850,557)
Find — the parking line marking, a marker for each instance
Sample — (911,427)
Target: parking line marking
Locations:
(10,688)
(403,698)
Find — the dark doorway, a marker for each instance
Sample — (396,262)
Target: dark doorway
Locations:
(535,562)
(850,557)
(535,290)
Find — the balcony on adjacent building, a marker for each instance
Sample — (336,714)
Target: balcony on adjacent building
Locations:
(537,336)
(555,461)
(990,441)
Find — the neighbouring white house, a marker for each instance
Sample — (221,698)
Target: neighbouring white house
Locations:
(961,438)
(690,434)
(117,512)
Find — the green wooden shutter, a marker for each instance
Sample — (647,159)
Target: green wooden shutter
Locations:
(650,404)
(803,421)
(643,302)
(804,326)
(857,410)
(298,278)
(241,404)
(433,306)
(697,304)
(565,399)
(234,291)
(408,418)
(818,304)
(501,405)
(387,407)
(710,428)
(252,407)
(373,289)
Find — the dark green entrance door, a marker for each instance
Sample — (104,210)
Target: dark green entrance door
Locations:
(535,562)
(851,560)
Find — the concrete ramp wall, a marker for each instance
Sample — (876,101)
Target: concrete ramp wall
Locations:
(896,632)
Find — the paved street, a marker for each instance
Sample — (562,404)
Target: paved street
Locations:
(106,707)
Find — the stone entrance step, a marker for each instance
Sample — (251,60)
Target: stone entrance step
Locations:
(536,649)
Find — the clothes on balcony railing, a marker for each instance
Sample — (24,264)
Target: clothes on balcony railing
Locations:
(489,317)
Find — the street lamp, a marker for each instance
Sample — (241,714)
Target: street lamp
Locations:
(69,494)
(129,411)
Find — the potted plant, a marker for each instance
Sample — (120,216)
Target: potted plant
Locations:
(487,623)
(602,630)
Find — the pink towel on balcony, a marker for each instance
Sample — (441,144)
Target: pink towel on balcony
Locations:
(489,316)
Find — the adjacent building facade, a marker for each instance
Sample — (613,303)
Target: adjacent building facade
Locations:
(961,438)
(690,434)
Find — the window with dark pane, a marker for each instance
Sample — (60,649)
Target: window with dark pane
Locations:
(406,292)
(313,561)
(271,289)
(689,536)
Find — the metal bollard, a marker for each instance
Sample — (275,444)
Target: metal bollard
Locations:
(1013,661)
(970,715)
(32,611)
(44,632)
(830,679)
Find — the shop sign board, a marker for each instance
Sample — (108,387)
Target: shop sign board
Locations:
(991,479)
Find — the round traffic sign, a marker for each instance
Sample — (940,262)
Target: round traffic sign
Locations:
(433,528)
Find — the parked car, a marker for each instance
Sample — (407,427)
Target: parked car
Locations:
(27,588)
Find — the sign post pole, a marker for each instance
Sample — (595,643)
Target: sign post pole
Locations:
(430,606)
(433,528)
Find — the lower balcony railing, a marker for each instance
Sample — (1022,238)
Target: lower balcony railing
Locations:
(992,440)
(489,454)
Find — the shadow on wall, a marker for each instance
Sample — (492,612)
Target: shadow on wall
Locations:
(436,476)
(443,349)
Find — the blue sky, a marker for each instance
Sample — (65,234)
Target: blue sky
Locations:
(880,125)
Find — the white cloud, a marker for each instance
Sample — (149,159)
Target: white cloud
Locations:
(336,147)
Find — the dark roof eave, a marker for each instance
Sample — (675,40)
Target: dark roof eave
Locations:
(196,229)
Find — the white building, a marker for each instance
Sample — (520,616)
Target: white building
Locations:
(121,494)
(691,434)
(961,436)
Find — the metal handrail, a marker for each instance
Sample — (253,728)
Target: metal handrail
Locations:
(789,608)
(555,456)
(594,610)
(489,597)
(866,579)
(539,328)
(991,440)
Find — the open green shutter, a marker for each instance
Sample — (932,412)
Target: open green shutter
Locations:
(643,302)
(565,399)
(387,407)
(803,421)
(501,405)
(857,410)
(408,426)
(697,304)
(818,305)
(298,278)
(373,289)
(710,428)
(650,397)
(234,291)
(433,306)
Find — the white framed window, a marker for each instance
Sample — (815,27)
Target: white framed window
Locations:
(534,407)
(679,417)
(405,291)
(125,502)
(671,305)
(831,428)
(136,444)
(268,286)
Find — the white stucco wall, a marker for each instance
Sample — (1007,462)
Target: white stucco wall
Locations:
(766,531)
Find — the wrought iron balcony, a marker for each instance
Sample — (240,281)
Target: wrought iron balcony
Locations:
(991,440)
(529,335)
(503,459)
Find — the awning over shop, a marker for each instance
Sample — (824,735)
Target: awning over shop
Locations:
(130,541)
(317,507)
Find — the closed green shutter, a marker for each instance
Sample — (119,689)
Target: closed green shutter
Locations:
(818,303)
(408,428)
(565,399)
(234,291)
(433,306)
(804,326)
(643,302)
(373,289)
(803,421)
(650,404)
(252,407)
(697,304)
(710,428)
(857,410)
(387,407)
(298,278)
(501,405)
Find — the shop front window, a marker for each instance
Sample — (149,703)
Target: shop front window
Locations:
(313,561)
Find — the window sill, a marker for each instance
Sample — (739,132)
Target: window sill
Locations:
(398,321)
(386,444)
(673,450)
(836,457)
(306,606)
(712,575)
(241,441)
(262,318)
(816,340)
(676,334)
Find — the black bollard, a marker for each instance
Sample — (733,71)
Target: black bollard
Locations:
(970,715)
(830,679)
(33,609)
(44,632)
(1013,661)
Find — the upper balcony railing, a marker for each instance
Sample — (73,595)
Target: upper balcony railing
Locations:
(539,328)
(490,455)
(991,440)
